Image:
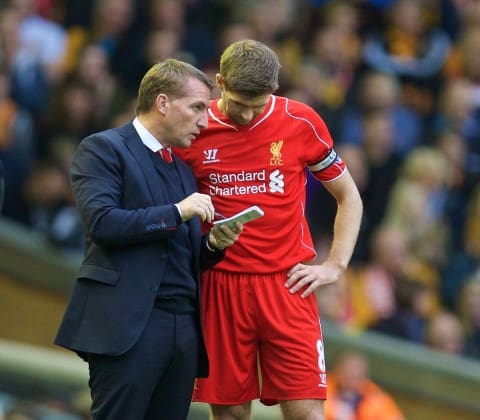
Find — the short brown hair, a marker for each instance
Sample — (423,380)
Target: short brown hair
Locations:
(250,68)
(167,77)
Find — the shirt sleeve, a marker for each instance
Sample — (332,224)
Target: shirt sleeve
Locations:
(322,160)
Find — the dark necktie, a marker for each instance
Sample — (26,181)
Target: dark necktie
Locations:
(166,155)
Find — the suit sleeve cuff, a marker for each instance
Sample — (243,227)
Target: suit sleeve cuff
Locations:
(178,214)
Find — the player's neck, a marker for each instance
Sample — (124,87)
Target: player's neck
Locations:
(220,106)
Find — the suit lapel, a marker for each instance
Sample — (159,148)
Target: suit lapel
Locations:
(142,155)
(190,187)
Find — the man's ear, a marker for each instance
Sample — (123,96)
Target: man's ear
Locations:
(162,103)
(219,80)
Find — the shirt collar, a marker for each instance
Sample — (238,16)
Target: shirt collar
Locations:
(147,138)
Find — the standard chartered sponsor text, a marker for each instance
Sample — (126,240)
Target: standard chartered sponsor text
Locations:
(221,184)
(242,176)
(237,189)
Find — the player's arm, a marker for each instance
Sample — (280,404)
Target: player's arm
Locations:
(347,220)
(345,232)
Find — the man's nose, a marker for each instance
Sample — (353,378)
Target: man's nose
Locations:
(203,121)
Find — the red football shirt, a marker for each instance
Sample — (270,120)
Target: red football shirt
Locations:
(264,164)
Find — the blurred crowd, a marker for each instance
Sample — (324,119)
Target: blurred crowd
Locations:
(397,82)
(22,403)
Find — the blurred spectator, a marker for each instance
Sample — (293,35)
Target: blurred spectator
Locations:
(312,86)
(108,94)
(417,302)
(233,32)
(40,39)
(469,311)
(335,48)
(160,44)
(393,292)
(268,19)
(275,22)
(167,14)
(445,333)
(72,113)
(352,394)
(455,112)
(167,24)
(26,406)
(194,25)
(50,200)
(409,47)
(26,410)
(416,205)
(452,146)
(25,70)
(17,149)
(78,18)
(114,31)
(465,61)
(335,302)
(373,284)
(466,261)
(61,150)
(381,92)
(126,115)
(204,21)
(459,107)
(382,166)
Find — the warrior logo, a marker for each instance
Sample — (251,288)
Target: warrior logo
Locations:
(210,156)
(276,182)
(275,150)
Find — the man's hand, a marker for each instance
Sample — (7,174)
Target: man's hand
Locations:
(222,236)
(197,204)
(312,276)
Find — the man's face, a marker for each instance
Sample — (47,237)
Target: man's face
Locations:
(187,115)
(240,109)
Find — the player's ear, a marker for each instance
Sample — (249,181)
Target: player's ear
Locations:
(219,80)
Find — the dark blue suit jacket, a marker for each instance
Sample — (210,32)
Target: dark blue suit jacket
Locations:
(128,220)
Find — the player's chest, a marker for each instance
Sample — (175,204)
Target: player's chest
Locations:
(239,150)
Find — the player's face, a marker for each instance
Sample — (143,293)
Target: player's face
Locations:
(240,109)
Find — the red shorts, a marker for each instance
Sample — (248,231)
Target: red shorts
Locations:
(254,328)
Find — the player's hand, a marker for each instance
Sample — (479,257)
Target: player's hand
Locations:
(221,236)
(309,277)
(197,204)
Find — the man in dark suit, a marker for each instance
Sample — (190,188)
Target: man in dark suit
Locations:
(134,311)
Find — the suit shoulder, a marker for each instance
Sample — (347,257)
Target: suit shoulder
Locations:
(110,135)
